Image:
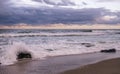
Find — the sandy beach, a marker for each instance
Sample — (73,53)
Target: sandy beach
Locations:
(59,64)
(111,66)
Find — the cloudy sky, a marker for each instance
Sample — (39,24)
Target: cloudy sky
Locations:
(39,12)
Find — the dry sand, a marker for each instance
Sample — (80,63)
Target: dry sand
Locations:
(111,66)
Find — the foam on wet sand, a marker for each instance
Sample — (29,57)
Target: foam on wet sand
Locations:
(56,65)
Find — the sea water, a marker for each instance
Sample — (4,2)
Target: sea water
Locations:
(54,42)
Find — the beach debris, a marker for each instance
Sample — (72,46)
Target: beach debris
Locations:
(87,44)
(86,30)
(50,49)
(117,33)
(102,42)
(23,55)
(113,50)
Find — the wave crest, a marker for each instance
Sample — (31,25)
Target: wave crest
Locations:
(9,54)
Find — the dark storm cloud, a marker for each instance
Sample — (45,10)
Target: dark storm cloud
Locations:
(62,3)
(38,16)
(9,15)
(3,6)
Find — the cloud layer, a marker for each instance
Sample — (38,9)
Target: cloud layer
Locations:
(54,11)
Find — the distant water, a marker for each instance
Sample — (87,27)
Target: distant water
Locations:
(43,43)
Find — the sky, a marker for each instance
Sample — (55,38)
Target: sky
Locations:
(42,12)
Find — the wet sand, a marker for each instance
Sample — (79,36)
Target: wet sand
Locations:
(56,65)
(111,66)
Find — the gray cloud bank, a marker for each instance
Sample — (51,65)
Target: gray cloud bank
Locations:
(9,15)
(61,3)
(109,0)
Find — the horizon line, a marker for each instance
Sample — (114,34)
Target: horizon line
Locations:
(61,26)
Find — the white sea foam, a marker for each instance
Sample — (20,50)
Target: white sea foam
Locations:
(50,34)
(44,44)
(9,55)
(54,33)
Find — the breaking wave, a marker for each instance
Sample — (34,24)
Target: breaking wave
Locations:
(48,34)
(41,44)
(9,54)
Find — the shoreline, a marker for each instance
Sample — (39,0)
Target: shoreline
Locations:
(110,66)
(57,64)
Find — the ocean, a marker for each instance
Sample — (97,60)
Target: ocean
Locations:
(54,42)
